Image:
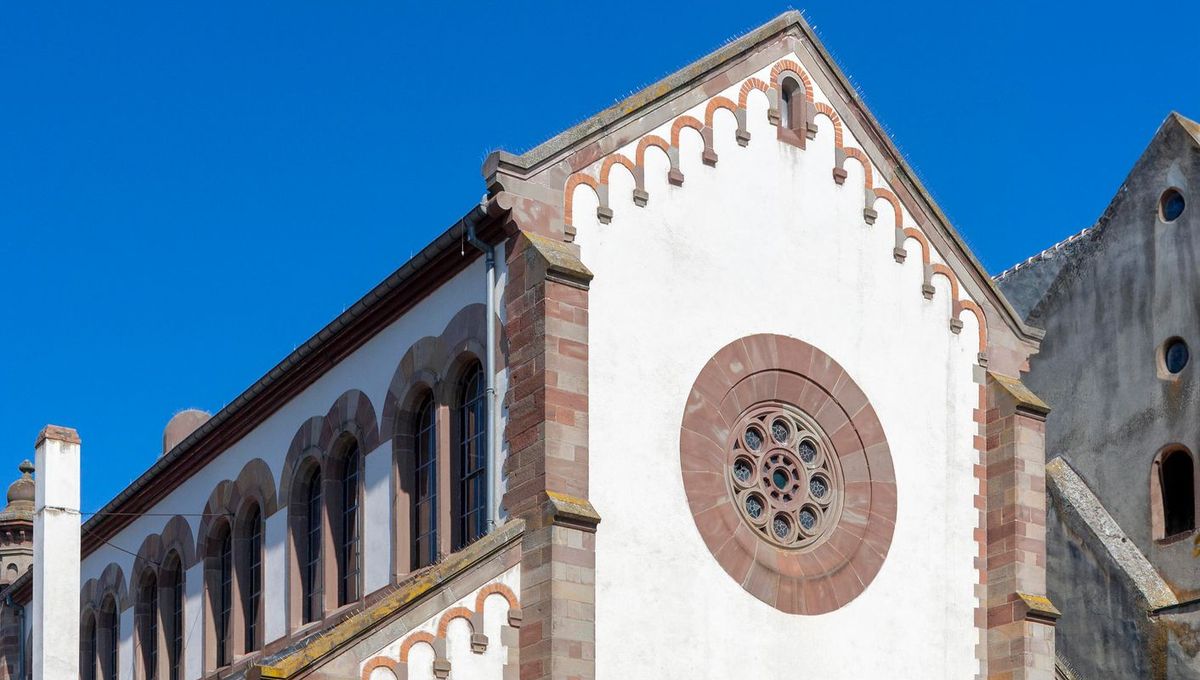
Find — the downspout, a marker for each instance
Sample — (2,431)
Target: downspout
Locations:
(489,257)
(9,602)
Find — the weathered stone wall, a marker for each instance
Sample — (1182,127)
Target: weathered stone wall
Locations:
(1129,284)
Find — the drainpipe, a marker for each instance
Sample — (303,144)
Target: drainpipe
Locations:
(9,602)
(489,255)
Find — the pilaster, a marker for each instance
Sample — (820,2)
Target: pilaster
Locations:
(1020,619)
(547,463)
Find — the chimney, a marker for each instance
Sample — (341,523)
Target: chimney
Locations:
(56,555)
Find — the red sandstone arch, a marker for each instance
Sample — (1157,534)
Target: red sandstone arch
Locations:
(569,198)
(790,65)
(495,589)
(748,86)
(858,155)
(648,141)
(827,111)
(718,102)
(616,159)
(682,122)
(416,638)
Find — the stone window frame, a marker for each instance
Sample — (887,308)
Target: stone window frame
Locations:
(89,633)
(108,637)
(306,596)
(431,366)
(425,439)
(768,368)
(347,546)
(172,598)
(106,595)
(462,533)
(228,508)
(248,634)
(147,625)
(319,446)
(1158,500)
(219,594)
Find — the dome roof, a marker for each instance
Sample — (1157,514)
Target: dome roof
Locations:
(181,425)
(20,495)
(22,489)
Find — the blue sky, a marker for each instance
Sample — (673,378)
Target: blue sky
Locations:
(189,191)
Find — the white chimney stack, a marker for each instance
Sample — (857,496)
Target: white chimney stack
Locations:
(55,615)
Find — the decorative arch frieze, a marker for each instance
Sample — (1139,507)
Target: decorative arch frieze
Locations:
(435,638)
(811,107)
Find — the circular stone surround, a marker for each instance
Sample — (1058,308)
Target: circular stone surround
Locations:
(788,474)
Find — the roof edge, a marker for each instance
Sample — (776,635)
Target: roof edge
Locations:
(254,403)
(533,161)
(646,98)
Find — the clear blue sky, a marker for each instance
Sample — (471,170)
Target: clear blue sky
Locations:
(185,188)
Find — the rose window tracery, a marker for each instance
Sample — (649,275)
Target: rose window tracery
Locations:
(785,485)
(788,473)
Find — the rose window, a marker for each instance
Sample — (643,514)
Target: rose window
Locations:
(786,485)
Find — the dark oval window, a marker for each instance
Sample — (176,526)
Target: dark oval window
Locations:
(1171,205)
(1175,355)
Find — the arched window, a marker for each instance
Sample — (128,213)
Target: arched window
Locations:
(1178,493)
(171,589)
(249,559)
(146,625)
(311,590)
(218,569)
(791,105)
(87,647)
(470,498)
(109,638)
(424,496)
(348,529)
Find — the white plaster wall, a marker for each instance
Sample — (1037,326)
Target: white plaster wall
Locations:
(193,618)
(766,242)
(377,516)
(369,369)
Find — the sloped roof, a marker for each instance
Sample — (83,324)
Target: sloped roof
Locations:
(1027,283)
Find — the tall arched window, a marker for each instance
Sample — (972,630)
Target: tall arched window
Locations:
(171,588)
(1178,493)
(311,590)
(87,647)
(348,529)
(470,499)
(790,105)
(146,623)
(424,496)
(219,576)
(249,560)
(109,638)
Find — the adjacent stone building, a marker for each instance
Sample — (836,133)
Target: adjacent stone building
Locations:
(707,387)
(1120,305)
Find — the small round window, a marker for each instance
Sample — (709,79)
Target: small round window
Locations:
(1175,355)
(1170,205)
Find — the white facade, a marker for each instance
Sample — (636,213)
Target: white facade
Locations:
(766,242)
